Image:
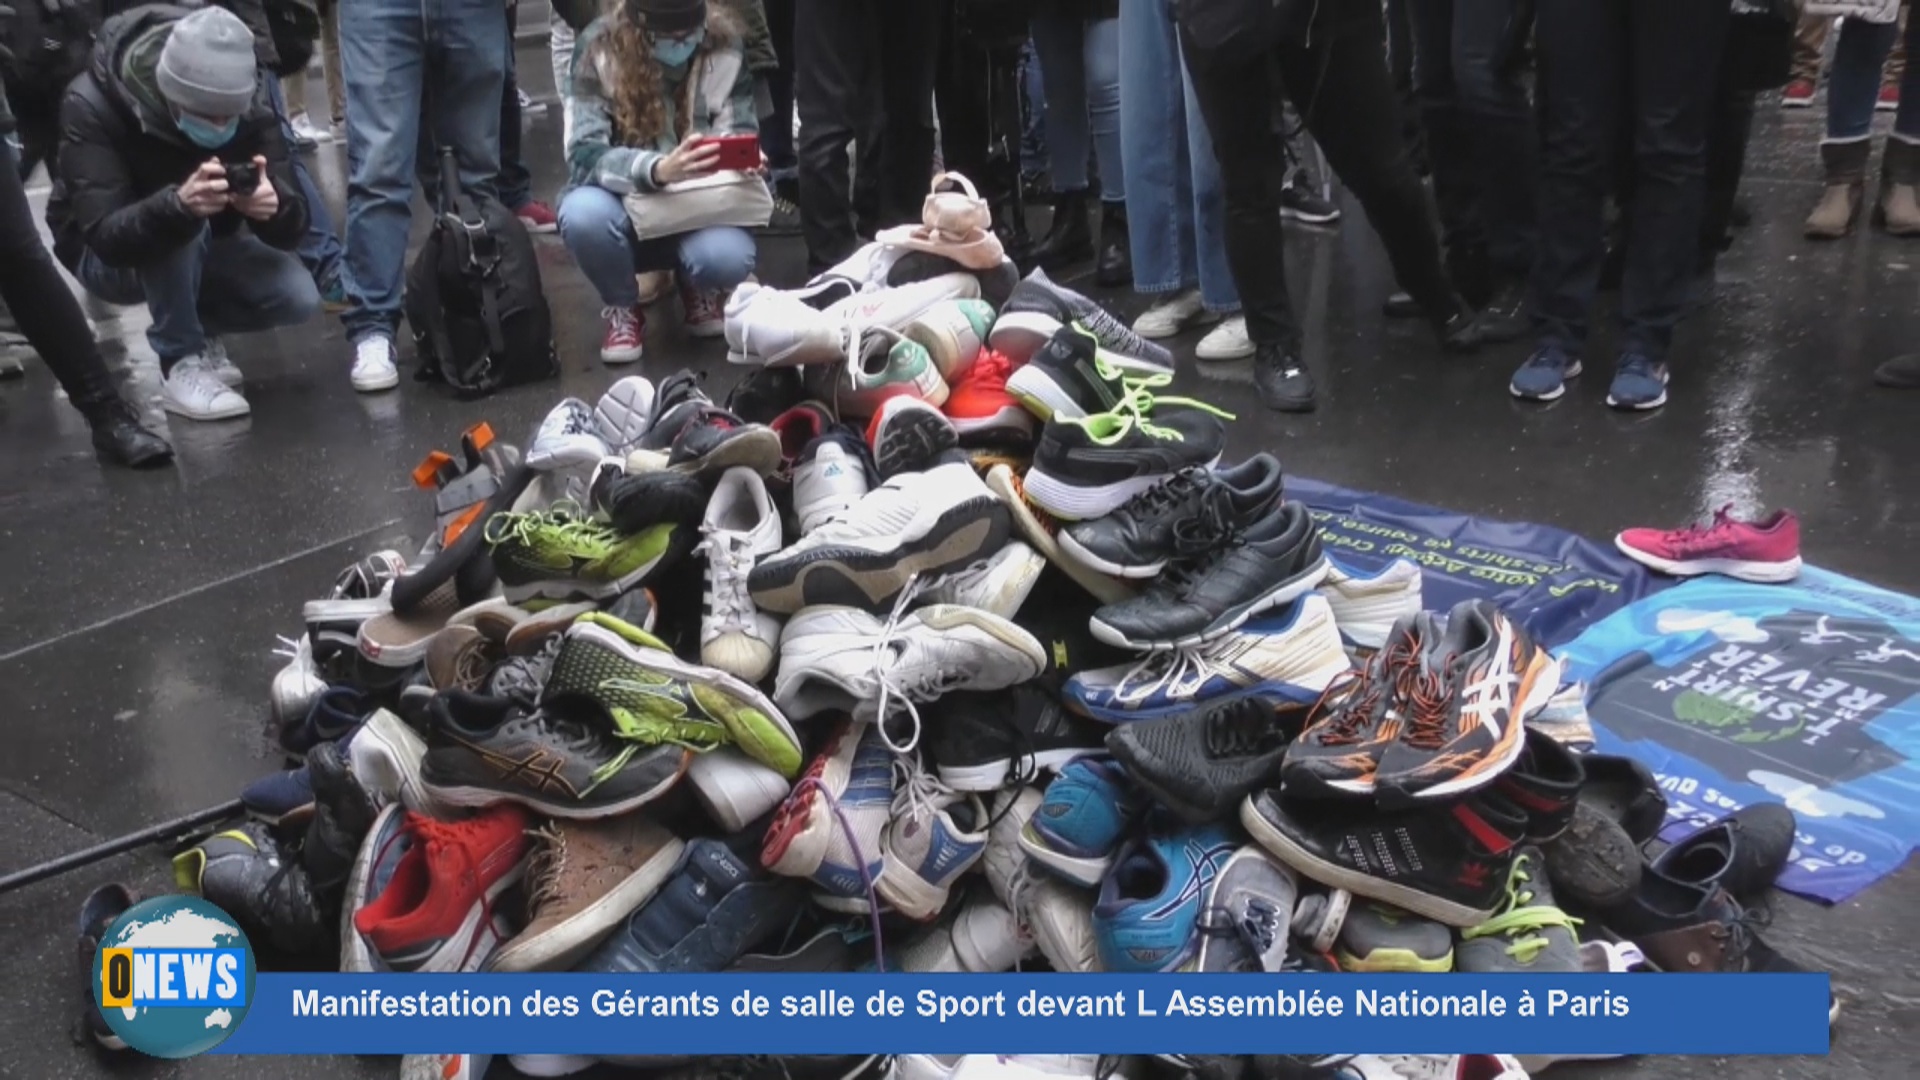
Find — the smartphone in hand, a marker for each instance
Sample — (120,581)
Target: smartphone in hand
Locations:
(738,152)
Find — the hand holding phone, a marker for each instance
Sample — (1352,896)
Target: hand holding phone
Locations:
(738,152)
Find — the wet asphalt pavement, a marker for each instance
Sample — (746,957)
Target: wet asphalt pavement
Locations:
(139,610)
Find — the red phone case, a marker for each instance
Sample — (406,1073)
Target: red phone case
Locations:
(741,152)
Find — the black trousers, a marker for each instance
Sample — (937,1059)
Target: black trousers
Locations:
(1642,72)
(46,311)
(1338,81)
(853,60)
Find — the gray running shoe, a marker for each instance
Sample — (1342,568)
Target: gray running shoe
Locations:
(1244,924)
(1529,934)
(1379,938)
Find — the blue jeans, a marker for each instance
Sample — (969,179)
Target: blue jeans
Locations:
(1033,118)
(441,63)
(1176,217)
(1854,82)
(1080,66)
(231,284)
(594,224)
(320,249)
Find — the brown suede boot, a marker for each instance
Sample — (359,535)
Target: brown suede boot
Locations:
(1899,209)
(1839,206)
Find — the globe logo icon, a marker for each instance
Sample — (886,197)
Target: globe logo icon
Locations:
(174,976)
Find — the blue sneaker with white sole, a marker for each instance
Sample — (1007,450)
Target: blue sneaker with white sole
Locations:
(1639,382)
(1288,658)
(1544,376)
(1147,915)
(832,824)
(718,905)
(1081,819)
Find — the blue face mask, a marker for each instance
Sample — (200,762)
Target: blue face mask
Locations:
(205,135)
(675,53)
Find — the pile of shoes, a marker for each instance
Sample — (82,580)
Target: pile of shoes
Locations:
(982,660)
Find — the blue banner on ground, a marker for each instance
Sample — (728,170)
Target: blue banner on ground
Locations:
(1555,583)
(1018,1013)
(1806,694)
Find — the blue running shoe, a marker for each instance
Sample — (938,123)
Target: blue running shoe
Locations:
(1544,376)
(1287,658)
(1082,816)
(281,799)
(936,835)
(1147,916)
(830,827)
(334,715)
(1638,383)
(718,905)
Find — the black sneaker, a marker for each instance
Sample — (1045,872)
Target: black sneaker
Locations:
(1450,864)
(1057,613)
(984,741)
(1546,783)
(1742,853)
(492,751)
(245,873)
(1338,755)
(1282,380)
(1070,377)
(1088,468)
(1201,764)
(636,502)
(1038,309)
(97,914)
(1300,202)
(766,393)
(1624,791)
(343,811)
(677,402)
(1267,565)
(1136,540)
(714,440)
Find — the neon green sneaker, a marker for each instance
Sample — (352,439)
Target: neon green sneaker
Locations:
(563,554)
(1073,377)
(1530,934)
(655,697)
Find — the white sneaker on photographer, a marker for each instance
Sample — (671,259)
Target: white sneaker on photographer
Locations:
(192,390)
(222,364)
(373,368)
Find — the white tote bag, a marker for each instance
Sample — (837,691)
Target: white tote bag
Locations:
(1873,11)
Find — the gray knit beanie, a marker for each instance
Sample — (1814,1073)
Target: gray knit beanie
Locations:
(207,65)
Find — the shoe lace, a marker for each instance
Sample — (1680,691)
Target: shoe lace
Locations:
(473,665)
(621,321)
(1430,691)
(1523,919)
(1242,726)
(1257,929)
(898,692)
(1546,360)
(293,648)
(1710,534)
(563,523)
(546,867)
(1349,702)
(1180,672)
(918,794)
(728,555)
(990,368)
(1164,497)
(1138,402)
(820,789)
(697,735)
(196,378)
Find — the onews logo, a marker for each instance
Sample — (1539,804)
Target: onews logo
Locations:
(173,976)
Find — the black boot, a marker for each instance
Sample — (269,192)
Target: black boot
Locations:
(1459,328)
(1069,239)
(1282,379)
(1471,271)
(117,434)
(1504,317)
(1116,252)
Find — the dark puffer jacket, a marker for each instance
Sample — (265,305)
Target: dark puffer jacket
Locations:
(122,157)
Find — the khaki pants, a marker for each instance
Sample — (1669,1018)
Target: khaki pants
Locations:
(295,85)
(1810,43)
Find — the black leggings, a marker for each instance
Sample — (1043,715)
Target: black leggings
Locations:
(42,304)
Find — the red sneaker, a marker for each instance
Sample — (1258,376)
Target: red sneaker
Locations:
(1889,99)
(706,311)
(1765,551)
(537,216)
(436,909)
(1797,95)
(622,345)
(979,402)
(798,427)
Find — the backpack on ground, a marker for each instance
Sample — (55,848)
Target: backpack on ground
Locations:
(474,300)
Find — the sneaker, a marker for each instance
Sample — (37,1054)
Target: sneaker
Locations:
(798,426)
(705,311)
(734,789)
(1431,1067)
(98,912)
(223,366)
(373,367)
(908,435)
(282,799)
(1451,867)
(1544,375)
(1202,763)
(741,528)
(1366,606)
(889,366)
(1248,908)
(193,390)
(785,219)
(1060,918)
(559,555)
(1170,316)
(1282,660)
(537,216)
(1378,939)
(296,686)
(635,504)
(830,477)
(718,905)
(529,105)
(568,438)
(375,856)
(979,936)
(1545,782)
(1338,754)
(1228,341)
(1638,384)
(1530,935)
(1083,816)
(1742,852)
(936,834)
(1888,100)
(998,586)
(585,878)
(636,679)
(344,809)
(1300,202)
(980,406)
(1041,532)
(1070,377)
(244,873)
(1476,685)
(1147,915)
(913,525)
(1766,551)
(763,394)
(1004,864)
(952,332)
(1088,468)
(1137,539)
(434,911)
(1267,565)
(622,343)
(555,761)
(895,307)
(829,830)
(984,741)
(1038,309)
(1798,94)
(305,130)
(775,328)
(714,440)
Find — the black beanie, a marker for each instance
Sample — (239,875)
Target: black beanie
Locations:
(672,16)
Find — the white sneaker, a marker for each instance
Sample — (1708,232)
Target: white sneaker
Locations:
(192,390)
(952,332)
(373,368)
(893,308)
(1365,606)
(1228,341)
(735,789)
(384,755)
(568,438)
(623,413)
(1004,858)
(830,479)
(1060,918)
(296,686)
(772,328)
(304,128)
(1433,1067)
(936,834)
(984,938)
(1172,315)
(223,366)
(998,586)
(741,527)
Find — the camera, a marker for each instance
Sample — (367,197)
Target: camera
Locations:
(242,176)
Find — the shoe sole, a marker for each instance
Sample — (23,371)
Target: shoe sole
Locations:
(1594,862)
(912,438)
(855,577)
(1572,371)
(528,636)
(481,797)
(374,386)
(803,827)
(558,948)
(1042,396)
(1078,869)
(1072,549)
(1354,881)
(622,356)
(1069,501)
(1009,420)
(757,449)
(399,641)
(992,775)
(1002,482)
(573,590)
(1771,573)
(1395,962)
(1233,619)
(356,955)
(1019,335)
(175,409)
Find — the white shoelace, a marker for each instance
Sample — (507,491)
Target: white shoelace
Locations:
(195,382)
(1181,672)
(622,320)
(729,555)
(898,693)
(292,648)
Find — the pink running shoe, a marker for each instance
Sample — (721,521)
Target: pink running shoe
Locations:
(1764,551)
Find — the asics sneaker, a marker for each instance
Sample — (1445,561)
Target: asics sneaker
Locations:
(1530,935)
(1138,538)
(1147,915)
(1766,551)
(560,554)
(982,741)
(829,830)
(1039,308)
(741,528)
(1380,939)
(1202,763)
(1249,907)
(1366,605)
(1072,378)
(936,834)
(1085,812)
(433,914)
(952,332)
(981,407)
(1090,467)
(1350,728)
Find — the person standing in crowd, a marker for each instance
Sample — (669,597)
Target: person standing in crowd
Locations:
(1638,73)
(149,204)
(320,248)
(843,51)
(1852,90)
(442,65)
(652,81)
(1078,44)
(1331,61)
(516,180)
(1809,49)
(294,86)
(770,58)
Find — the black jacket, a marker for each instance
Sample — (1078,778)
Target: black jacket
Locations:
(121,157)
